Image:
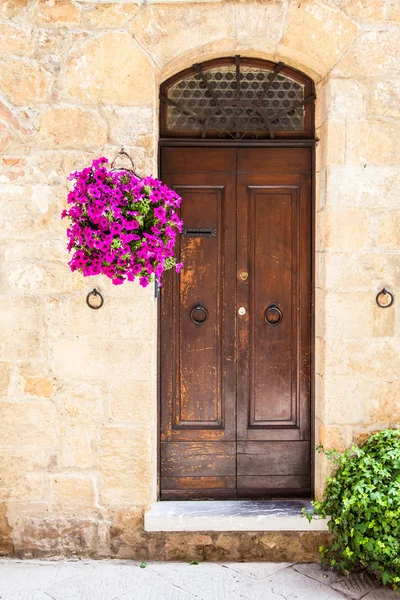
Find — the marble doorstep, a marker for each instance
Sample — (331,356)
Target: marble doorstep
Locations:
(231,515)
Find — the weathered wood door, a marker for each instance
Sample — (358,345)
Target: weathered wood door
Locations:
(235,326)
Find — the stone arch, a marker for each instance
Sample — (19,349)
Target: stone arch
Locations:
(312,36)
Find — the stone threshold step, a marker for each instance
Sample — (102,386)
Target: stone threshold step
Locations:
(231,515)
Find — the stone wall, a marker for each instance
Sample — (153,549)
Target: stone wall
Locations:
(78,388)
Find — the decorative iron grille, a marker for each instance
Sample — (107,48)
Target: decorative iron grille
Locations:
(238,98)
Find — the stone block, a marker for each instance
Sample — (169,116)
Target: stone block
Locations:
(345,99)
(109,16)
(125,467)
(320,304)
(368,271)
(14,8)
(24,81)
(53,166)
(358,186)
(134,402)
(57,12)
(124,318)
(384,98)
(181,28)
(5,369)
(21,474)
(394,11)
(320,226)
(321,102)
(333,438)
(349,315)
(19,511)
(317,34)
(32,422)
(373,53)
(375,359)
(81,404)
(12,169)
(320,186)
(263,21)
(383,322)
(39,387)
(6,541)
(14,41)
(128,290)
(20,346)
(373,142)
(72,495)
(20,327)
(50,44)
(332,144)
(347,230)
(103,360)
(130,125)
(75,128)
(366,11)
(44,278)
(77,446)
(53,537)
(93,75)
(26,210)
(126,533)
(384,406)
(346,401)
(388,233)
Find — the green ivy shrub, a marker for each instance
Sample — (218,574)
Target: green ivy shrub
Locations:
(362,500)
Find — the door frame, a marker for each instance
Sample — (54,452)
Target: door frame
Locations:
(210,143)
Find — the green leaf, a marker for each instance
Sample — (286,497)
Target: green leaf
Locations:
(143,565)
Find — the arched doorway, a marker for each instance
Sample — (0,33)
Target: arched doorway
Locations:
(237,140)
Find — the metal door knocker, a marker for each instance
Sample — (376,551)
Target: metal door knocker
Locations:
(273,314)
(199,314)
(94,299)
(384,298)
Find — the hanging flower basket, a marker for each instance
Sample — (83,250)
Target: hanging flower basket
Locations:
(121,226)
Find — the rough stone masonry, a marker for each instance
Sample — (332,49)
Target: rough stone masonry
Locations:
(78,408)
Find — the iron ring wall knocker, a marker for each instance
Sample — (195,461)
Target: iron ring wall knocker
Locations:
(273,315)
(89,300)
(384,292)
(198,308)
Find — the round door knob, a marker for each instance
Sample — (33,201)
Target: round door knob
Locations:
(273,314)
(242,311)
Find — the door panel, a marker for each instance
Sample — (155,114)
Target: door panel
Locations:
(235,389)
(273,370)
(198,438)
(274,486)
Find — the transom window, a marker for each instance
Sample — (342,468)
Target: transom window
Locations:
(238,98)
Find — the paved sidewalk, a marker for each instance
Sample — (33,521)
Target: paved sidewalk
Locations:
(125,580)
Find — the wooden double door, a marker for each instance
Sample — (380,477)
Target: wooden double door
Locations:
(235,326)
